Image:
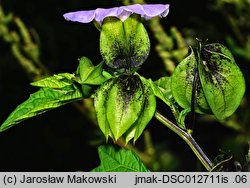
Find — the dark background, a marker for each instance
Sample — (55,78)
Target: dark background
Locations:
(63,139)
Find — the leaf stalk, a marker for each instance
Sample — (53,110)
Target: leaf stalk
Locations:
(188,139)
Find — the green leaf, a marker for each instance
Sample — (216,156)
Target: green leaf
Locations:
(182,85)
(221,80)
(90,74)
(121,160)
(162,90)
(124,44)
(88,90)
(164,84)
(181,118)
(56,81)
(43,100)
(148,111)
(159,92)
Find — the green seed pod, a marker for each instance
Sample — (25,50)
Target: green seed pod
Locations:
(220,83)
(182,85)
(120,103)
(124,44)
(221,79)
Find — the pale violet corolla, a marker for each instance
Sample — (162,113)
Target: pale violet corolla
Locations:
(124,41)
(147,11)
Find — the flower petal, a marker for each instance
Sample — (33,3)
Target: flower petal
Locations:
(136,8)
(102,13)
(80,16)
(146,11)
(155,10)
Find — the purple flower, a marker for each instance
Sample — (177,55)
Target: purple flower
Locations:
(146,11)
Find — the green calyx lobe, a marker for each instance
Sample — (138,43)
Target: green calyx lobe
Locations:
(124,44)
(122,107)
(221,79)
(182,85)
(89,76)
(220,83)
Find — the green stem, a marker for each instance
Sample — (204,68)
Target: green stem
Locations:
(188,139)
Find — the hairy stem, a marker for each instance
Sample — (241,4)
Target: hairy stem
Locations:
(188,139)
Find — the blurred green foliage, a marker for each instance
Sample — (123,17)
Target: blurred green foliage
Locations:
(35,42)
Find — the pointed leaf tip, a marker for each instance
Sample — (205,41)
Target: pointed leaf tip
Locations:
(118,160)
